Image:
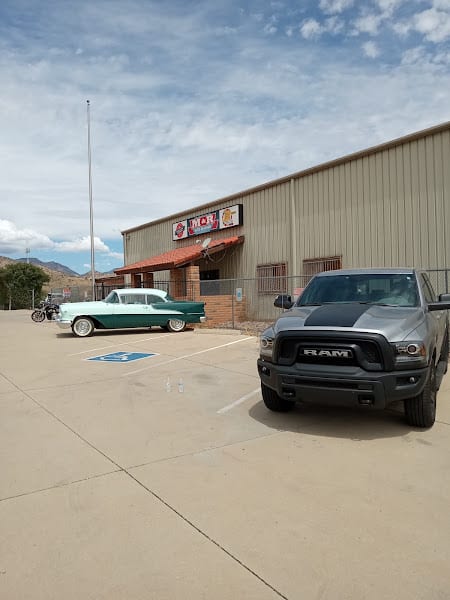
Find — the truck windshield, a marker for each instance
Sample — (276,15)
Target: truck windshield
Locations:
(399,289)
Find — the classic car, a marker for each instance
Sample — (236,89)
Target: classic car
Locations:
(130,307)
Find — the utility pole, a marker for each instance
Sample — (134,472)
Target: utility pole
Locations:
(27,252)
(91,212)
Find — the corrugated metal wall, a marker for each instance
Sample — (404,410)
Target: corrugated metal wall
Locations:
(386,207)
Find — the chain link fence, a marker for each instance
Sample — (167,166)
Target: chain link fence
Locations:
(231,302)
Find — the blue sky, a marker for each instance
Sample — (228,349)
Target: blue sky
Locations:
(195,100)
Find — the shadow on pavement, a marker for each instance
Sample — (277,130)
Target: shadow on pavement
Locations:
(63,333)
(337,422)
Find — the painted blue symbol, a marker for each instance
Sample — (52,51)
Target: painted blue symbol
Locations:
(121,357)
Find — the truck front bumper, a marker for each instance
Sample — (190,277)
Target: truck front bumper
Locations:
(353,387)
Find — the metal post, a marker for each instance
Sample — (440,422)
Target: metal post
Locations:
(91,212)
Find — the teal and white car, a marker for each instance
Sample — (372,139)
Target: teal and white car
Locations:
(130,307)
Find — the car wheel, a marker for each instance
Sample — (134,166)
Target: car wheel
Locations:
(175,325)
(420,411)
(83,327)
(273,401)
(38,316)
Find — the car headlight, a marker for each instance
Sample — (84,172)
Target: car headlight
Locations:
(410,354)
(266,347)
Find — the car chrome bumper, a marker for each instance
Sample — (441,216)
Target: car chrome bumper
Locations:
(202,319)
(64,324)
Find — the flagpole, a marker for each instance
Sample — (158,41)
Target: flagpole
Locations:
(91,212)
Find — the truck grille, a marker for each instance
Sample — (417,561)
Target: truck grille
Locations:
(333,350)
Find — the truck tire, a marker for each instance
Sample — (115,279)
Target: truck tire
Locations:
(420,411)
(273,401)
(444,352)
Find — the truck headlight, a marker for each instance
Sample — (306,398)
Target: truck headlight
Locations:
(266,347)
(410,354)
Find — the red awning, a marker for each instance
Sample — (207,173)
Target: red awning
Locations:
(179,257)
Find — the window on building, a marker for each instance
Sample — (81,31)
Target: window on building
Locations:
(272,278)
(210,283)
(311,266)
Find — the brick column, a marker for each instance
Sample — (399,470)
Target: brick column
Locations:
(176,289)
(193,282)
(148,280)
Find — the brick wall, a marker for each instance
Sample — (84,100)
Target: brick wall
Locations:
(219,310)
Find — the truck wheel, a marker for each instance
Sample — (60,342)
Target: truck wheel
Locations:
(444,352)
(421,410)
(273,401)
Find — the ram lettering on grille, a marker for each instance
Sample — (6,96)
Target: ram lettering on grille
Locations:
(327,353)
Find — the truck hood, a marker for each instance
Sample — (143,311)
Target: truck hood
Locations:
(395,323)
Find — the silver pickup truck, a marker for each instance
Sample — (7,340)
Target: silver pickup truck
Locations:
(360,337)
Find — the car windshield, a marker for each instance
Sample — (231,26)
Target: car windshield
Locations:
(112,298)
(399,289)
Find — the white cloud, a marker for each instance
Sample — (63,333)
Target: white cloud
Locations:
(389,6)
(368,24)
(335,6)
(433,24)
(310,28)
(370,49)
(413,56)
(402,28)
(441,4)
(270,28)
(334,25)
(81,244)
(15,240)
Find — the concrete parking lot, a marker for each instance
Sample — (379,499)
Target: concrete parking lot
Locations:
(114,488)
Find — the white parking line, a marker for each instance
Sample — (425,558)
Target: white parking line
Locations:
(167,362)
(158,337)
(240,401)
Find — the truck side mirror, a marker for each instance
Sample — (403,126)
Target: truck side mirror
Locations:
(283,301)
(443,304)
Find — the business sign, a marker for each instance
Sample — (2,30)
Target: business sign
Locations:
(216,220)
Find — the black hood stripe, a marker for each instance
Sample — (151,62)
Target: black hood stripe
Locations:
(336,315)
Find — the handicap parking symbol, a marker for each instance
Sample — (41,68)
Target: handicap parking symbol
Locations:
(121,357)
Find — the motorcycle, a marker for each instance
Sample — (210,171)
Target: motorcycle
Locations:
(45,309)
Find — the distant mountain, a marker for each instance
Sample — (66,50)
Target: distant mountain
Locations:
(98,273)
(53,266)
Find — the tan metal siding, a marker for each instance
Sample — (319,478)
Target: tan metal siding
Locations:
(388,207)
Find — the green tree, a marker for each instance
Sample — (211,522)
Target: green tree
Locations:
(17,280)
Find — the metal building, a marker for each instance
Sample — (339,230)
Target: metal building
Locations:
(388,205)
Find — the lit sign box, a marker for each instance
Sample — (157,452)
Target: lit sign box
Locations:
(223,218)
